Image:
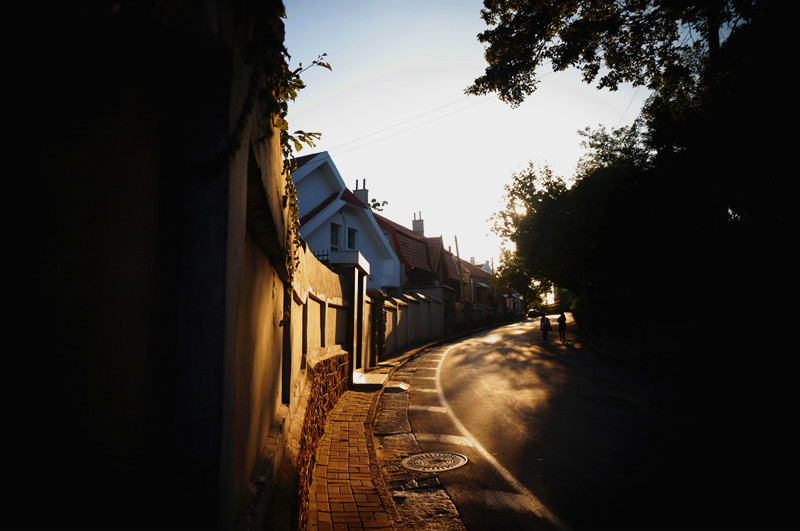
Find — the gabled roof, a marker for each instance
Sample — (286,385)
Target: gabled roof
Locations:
(325,194)
(415,251)
(466,268)
(300,161)
(346,195)
(351,198)
(435,248)
(474,271)
(319,208)
(412,248)
(326,175)
(450,266)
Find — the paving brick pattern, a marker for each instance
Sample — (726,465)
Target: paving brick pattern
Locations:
(343,494)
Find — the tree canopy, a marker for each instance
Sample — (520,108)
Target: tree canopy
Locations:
(678,233)
(653,43)
(689,198)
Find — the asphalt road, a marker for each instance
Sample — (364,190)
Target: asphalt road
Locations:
(559,437)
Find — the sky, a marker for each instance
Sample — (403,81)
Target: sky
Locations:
(392,111)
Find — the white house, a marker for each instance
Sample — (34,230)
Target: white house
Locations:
(333,218)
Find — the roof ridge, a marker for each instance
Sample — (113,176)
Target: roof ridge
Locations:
(317,209)
(404,229)
(352,198)
(299,161)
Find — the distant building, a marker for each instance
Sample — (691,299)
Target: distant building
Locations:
(421,258)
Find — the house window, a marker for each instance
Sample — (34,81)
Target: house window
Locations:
(335,232)
(352,239)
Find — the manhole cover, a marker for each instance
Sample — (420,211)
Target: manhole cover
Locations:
(434,461)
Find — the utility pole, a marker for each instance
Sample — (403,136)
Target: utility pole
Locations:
(467,313)
(460,274)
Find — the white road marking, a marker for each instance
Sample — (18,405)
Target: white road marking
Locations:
(431,409)
(447,439)
(505,500)
(526,499)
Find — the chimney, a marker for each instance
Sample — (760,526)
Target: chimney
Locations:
(363,194)
(417,225)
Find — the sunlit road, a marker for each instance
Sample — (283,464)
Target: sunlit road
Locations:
(556,437)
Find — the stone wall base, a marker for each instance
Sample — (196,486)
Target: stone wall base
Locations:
(326,382)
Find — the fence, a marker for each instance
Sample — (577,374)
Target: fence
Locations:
(403,322)
(336,326)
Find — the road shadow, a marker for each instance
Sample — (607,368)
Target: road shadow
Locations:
(609,444)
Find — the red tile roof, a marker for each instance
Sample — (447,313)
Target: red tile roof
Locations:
(346,196)
(452,263)
(451,269)
(351,198)
(317,209)
(435,247)
(412,248)
(474,270)
(305,158)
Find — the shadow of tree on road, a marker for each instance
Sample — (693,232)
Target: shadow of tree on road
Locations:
(602,441)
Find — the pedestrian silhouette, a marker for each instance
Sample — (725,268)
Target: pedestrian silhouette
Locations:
(562,327)
(545,327)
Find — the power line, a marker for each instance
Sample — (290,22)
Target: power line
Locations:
(629,105)
(687,36)
(415,118)
(401,123)
(410,128)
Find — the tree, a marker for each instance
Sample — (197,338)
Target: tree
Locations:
(531,222)
(377,206)
(513,272)
(644,42)
(602,238)
(625,146)
(530,190)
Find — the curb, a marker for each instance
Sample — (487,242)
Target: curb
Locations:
(375,466)
(348,513)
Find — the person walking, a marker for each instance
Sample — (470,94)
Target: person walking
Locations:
(545,327)
(562,327)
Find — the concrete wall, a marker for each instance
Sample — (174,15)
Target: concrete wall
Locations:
(257,372)
(411,321)
(320,311)
(321,302)
(154,293)
(443,317)
(412,314)
(366,334)
(424,318)
(437,318)
(400,324)
(157,281)
(390,348)
(158,366)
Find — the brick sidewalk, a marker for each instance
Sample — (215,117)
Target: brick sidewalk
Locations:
(343,493)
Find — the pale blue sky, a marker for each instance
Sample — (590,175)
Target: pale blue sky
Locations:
(393,111)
